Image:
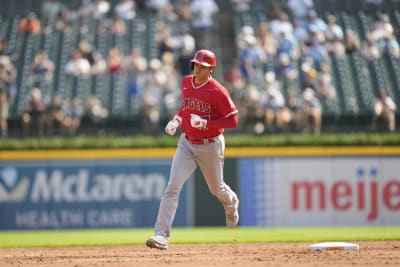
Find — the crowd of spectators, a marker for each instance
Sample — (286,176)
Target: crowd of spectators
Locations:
(272,92)
(287,58)
(181,27)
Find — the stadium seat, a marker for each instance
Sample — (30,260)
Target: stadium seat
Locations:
(345,83)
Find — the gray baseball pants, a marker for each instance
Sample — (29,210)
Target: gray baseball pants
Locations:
(210,159)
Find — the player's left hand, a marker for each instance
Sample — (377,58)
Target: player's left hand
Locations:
(197,122)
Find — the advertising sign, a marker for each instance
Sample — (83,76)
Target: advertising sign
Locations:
(320,191)
(86,194)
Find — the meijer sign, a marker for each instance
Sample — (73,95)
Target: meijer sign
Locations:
(320,191)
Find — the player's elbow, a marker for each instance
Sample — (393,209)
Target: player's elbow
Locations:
(234,121)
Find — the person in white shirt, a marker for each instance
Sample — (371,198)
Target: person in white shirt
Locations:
(77,66)
(125,9)
(384,108)
(203,13)
(300,8)
(273,102)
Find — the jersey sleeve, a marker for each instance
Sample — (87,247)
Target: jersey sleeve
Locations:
(226,107)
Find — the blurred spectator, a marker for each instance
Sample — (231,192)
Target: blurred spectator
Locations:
(301,34)
(384,108)
(51,9)
(333,30)
(169,69)
(95,111)
(325,88)
(8,78)
(77,66)
(116,25)
(4,105)
(54,115)
(86,8)
(308,75)
(268,40)
(351,42)
(245,31)
(382,28)
(164,39)
(233,75)
(203,13)
(241,5)
(96,9)
(6,50)
(294,113)
(168,16)
(149,118)
(336,47)
(369,50)
(71,12)
(170,96)
(300,8)
(281,25)
(73,113)
(135,64)
(288,45)
(114,60)
(100,9)
(285,67)
(153,91)
(34,113)
(312,112)
(273,11)
(390,46)
(30,24)
(63,24)
(125,9)
(273,102)
(157,6)
(318,53)
(99,64)
(255,115)
(182,8)
(185,46)
(87,51)
(41,69)
(251,57)
(155,83)
(315,26)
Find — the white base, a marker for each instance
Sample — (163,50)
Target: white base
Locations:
(326,246)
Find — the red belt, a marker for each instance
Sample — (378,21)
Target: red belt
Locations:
(198,141)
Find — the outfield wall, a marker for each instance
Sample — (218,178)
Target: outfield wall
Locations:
(283,186)
(97,193)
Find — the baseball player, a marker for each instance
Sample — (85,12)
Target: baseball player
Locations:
(206,110)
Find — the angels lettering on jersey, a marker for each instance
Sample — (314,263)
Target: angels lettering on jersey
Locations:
(196,104)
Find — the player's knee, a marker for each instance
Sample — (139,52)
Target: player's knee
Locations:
(171,192)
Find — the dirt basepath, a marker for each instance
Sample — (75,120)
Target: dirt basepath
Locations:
(371,254)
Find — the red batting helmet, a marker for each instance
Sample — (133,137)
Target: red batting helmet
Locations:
(205,58)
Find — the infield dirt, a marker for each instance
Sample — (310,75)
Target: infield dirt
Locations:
(371,254)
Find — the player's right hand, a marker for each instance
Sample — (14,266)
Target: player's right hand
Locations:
(171,127)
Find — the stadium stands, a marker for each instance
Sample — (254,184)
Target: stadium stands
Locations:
(356,80)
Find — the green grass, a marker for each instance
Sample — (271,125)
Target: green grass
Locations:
(233,140)
(136,236)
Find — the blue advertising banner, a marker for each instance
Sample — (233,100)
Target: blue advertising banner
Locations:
(60,194)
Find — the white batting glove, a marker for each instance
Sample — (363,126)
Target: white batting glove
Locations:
(197,122)
(173,125)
